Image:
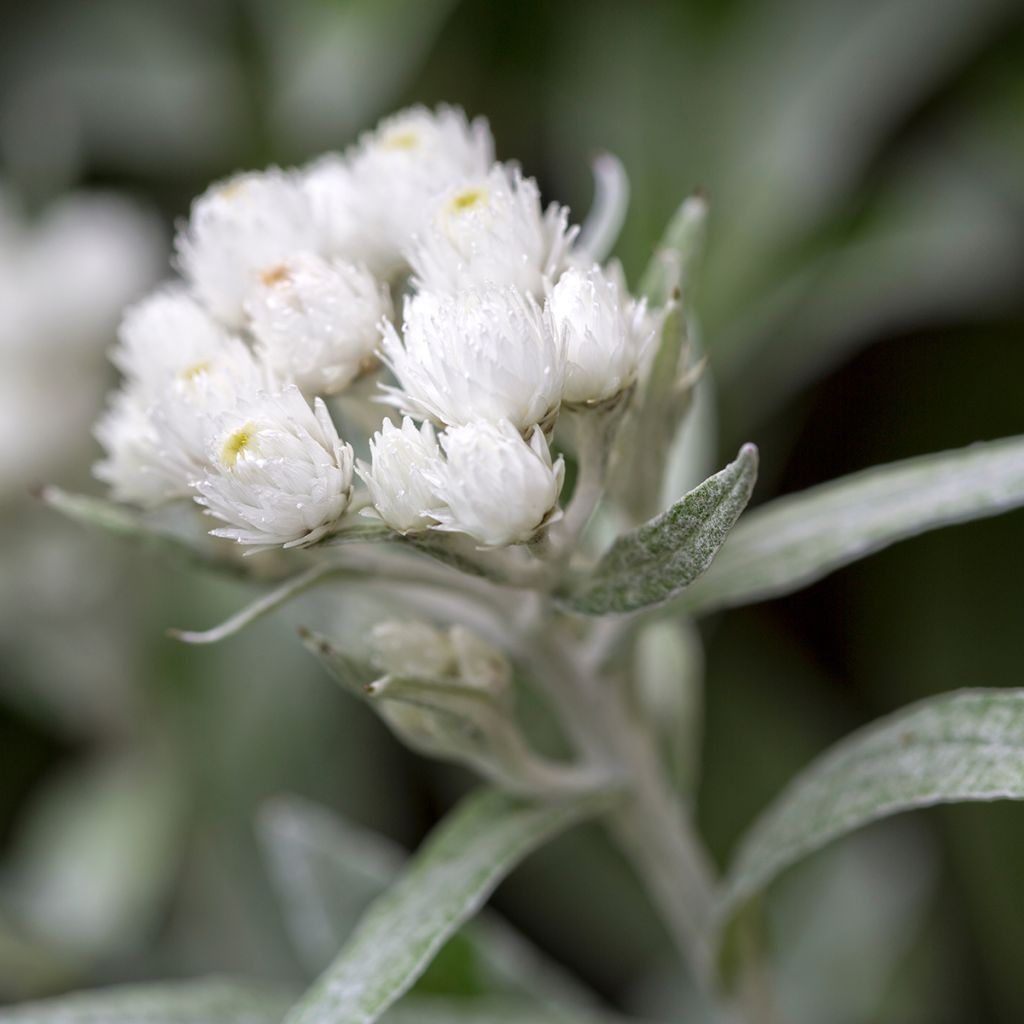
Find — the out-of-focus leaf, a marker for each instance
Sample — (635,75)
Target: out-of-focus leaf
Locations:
(657,561)
(447,882)
(209,1001)
(793,541)
(423,1010)
(963,746)
(96,857)
(328,870)
(133,525)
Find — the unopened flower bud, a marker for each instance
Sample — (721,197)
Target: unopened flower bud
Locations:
(605,330)
(398,476)
(411,649)
(497,487)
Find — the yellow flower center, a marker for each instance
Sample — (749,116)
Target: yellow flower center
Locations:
(236,443)
(407,138)
(275,275)
(189,373)
(467,199)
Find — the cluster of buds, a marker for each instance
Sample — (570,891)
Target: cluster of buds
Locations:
(288,298)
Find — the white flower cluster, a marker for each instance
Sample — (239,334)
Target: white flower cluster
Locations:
(287,295)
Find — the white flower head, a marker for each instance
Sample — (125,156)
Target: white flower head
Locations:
(404,461)
(492,230)
(497,487)
(407,160)
(240,227)
(167,340)
(316,320)
(606,333)
(182,371)
(278,472)
(485,354)
(134,468)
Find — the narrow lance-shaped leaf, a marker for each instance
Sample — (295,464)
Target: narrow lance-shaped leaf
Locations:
(962,746)
(793,541)
(130,524)
(327,871)
(191,1002)
(657,561)
(447,882)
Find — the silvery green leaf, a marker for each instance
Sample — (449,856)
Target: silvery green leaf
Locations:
(209,1001)
(446,882)
(658,560)
(793,541)
(963,746)
(327,870)
(128,523)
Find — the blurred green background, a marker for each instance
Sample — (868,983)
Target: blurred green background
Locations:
(862,301)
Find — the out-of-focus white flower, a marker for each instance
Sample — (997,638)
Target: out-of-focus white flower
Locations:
(407,160)
(398,477)
(491,230)
(278,472)
(134,468)
(411,649)
(479,663)
(167,340)
(486,354)
(239,228)
(316,320)
(182,370)
(497,487)
(605,330)
(63,280)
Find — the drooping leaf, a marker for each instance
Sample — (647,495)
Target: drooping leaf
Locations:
(793,541)
(209,1001)
(327,871)
(963,746)
(264,605)
(657,561)
(446,882)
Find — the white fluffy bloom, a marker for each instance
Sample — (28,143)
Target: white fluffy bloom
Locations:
(410,158)
(316,320)
(347,216)
(497,487)
(134,468)
(491,230)
(605,330)
(486,354)
(278,472)
(399,475)
(167,337)
(240,227)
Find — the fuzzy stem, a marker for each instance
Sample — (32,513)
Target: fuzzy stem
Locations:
(651,825)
